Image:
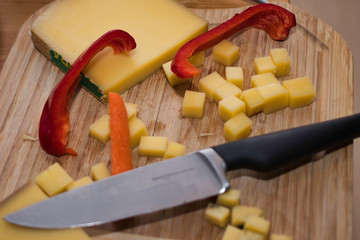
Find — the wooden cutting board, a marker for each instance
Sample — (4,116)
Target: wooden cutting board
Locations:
(314,201)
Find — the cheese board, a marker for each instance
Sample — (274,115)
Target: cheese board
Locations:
(314,201)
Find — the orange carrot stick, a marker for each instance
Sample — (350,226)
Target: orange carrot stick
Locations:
(119,135)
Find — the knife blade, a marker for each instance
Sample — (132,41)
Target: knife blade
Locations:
(184,179)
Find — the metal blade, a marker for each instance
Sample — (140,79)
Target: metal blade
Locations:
(143,190)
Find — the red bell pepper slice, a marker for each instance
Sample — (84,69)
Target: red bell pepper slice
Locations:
(273,19)
(55,121)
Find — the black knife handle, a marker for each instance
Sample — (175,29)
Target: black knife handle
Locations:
(269,152)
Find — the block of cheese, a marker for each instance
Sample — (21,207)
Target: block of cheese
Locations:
(257,224)
(237,127)
(79,183)
(100,171)
(301,91)
(263,79)
(160,27)
(231,233)
(154,146)
(240,213)
(280,237)
(235,75)
(226,90)
(100,129)
(229,107)
(26,196)
(275,96)
(281,60)
(137,129)
(253,100)
(172,78)
(226,53)
(217,214)
(193,104)
(210,83)
(174,149)
(264,65)
(230,198)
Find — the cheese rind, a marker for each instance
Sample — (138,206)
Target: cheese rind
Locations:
(68,27)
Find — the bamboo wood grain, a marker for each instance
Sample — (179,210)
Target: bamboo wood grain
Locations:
(314,201)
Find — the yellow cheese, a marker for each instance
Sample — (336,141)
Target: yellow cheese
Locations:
(53,180)
(280,237)
(193,104)
(210,83)
(237,127)
(172,78)
(231,233)
(198,59)
(275,97)
(226,90)
(257,224)
(137,129)
(281,60)
(28,195)
(159,27)
(100,129)
(264,65)
(100,171)
(263,79)
(235,75)
(131,109)
(301,91)
(154,146)
(216,214)
(225,53)
(79,183)
(229,198)
(229,107)
(253,100)
(250,235)
(174,149)
(240,213)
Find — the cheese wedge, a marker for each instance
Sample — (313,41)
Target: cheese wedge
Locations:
(159,27)
(28,195)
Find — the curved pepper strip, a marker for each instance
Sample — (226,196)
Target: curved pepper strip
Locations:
(273,19)
(55,121)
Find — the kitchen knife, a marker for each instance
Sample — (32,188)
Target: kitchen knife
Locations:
(183,179)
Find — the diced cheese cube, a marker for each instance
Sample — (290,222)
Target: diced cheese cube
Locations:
(100,129)
(237,127)
(193,104)
(253,100)
(210,83)
(137,129)
(100,171)
(172,78)
(281,60)
(225,53)
(280,237)
(174,149)
(26,196)
(235,75)
(263,79)
(250,235)
(264,65)
(229,198)
(229,107)
(301,91)
(226,90)
(216,214)
(275,97)
(53,180)
(79,183)
(240,213)
(231,233)
(154,146)
(131,109)
(64,29)
(257,224)
(198,59)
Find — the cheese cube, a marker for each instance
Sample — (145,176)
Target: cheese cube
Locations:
(100,171)
(226,90)
(154,146)
(68,27)
(240,213)
(131,109)
(229,198)
(174,149)
(100,129)
(225,53)
(198,59)
(53,180)
(281,60)
(231,233)
(26,196)
(253,100)
(301,91)
(250,235)
(79,183)
(257,224)
(280,237)
(137,129)
(263,79)
(210,83)
(216,214)
(172,78)
(275,97)
(264,65)
(230,107)
(193,104)
(235,75)
(237,127)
